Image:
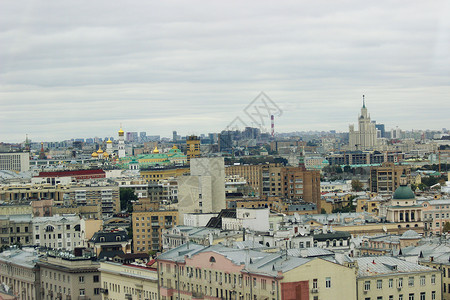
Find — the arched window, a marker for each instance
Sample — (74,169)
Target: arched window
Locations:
(49,228)
(212,259)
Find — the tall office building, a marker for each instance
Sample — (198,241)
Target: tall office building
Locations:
(366,136)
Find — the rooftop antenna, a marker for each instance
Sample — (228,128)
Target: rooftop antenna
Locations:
(364,102)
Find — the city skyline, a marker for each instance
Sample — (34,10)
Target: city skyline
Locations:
(70,69)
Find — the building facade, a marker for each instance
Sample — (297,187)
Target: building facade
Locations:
(66,277)
(148,228)
(365,138)
(15,161)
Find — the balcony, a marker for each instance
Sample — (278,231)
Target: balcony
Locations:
(197,295)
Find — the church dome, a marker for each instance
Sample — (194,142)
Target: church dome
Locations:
(94,154)
(105,154)
(121,132)
(403,192)
(99,151)
(156,150)
(109,141)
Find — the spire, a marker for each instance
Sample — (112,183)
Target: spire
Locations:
(364,102)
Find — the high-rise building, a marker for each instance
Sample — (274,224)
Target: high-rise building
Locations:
(121,146)
(366,136)
(204,190)
(193,147)
(174,136)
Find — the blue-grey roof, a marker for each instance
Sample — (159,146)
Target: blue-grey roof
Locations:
(381,265)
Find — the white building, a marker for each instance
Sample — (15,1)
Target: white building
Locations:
(366,136)
(15,161)
(204,190)
(255,219)
(58,232)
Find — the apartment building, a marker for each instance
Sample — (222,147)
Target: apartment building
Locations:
(148,229)
(128,281)
(18,271)
(16,229)
(192,271)
(390,278)
(58,232)
(386,178)
(276,180)
(105,196)
(66,276)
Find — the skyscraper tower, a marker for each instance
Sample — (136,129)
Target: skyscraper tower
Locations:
(366,136)
(121,143)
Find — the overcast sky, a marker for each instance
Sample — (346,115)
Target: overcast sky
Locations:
(72,69)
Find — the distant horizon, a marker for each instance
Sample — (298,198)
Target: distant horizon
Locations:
(115,137)
(196,66)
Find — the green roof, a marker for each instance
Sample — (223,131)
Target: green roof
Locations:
(403,192)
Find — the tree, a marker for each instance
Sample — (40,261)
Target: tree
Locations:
(357,185)
(127,195)
(446,227)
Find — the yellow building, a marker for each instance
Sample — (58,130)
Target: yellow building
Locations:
(156,174)
(129,282)
(368,205)
(148,228)
(193,147)
(389,278)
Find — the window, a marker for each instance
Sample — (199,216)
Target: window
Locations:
(411,297)
(391,282)
(422,296)
(367,285)
(433,279)
(391,297)
(328,282)
(422,280)
(96,278)
(82,292)
(379,284)
(96,291)
(81,280)
(400,283)
(380,298)
(433,295)
(400,297)
(315,283)
(411,281)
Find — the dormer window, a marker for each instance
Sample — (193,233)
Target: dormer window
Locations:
(212,259)
(118,238)
(102,239)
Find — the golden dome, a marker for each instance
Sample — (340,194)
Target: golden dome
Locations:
(105,154)
(109,141)
(156,150)
(99,150)
(94,154)
(174,147)
(121,132)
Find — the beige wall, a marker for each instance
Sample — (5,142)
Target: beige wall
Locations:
(343,279)
(119,280)
(385,291)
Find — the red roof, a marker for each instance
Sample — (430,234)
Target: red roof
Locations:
(72,173)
